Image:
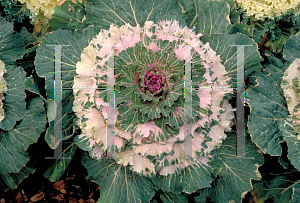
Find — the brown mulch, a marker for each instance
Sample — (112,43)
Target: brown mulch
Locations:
(69,190)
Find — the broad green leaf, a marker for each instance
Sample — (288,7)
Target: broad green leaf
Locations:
(235,173)
(70,55)
(291,49)
(203,194)
(190,9)
(234,15)
(284,159)
(69,16)
(117,183)
(51,109)
(169,197)
(276,188)
(12,180)
(257,31)
(12,46)
(187,180)
(14,102)
(60,165)
(67,130)
(31,41)
(213,18)
(292,142)
(119,12)
(45,58)
(296,193)
(33,84)
(14,143)
(221,44)
(267,104)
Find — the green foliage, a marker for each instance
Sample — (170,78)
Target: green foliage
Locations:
(69,16)
(105,13)
(267,104)
(278,30)
(118,183)
(14,11)
(12,45)
(277,187)
(232,180)
(15,142)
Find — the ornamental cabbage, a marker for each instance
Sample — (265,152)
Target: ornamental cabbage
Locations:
(291,88)
(45,8)
(261,9)
(149,97)
(3,88)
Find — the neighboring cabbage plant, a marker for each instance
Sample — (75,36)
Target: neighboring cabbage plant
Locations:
(261,9)
(275,20)
(291,88)
(3,89)
(150,96)
(40,9)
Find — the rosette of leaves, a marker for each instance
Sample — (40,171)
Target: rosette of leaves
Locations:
(290,85)
(270,22)
(149,97)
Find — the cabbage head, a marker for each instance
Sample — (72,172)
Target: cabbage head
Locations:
(149,68)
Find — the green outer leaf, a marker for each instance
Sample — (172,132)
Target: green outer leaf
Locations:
(12,46)
(291,49)
(173,198)
(228,54)
(234,173)
(187,180)
(68,16)
(68,130)
(14,102)
(119,12)
(44,61)
(12,180)
(267,104)
(203,195)
(118,184)
(292,142)
(190,8)
(13,143)
(213,18)
(296,193)
(77,40)
(55,172)
(257,31)
(276,187)
(31,84)
(51,110)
